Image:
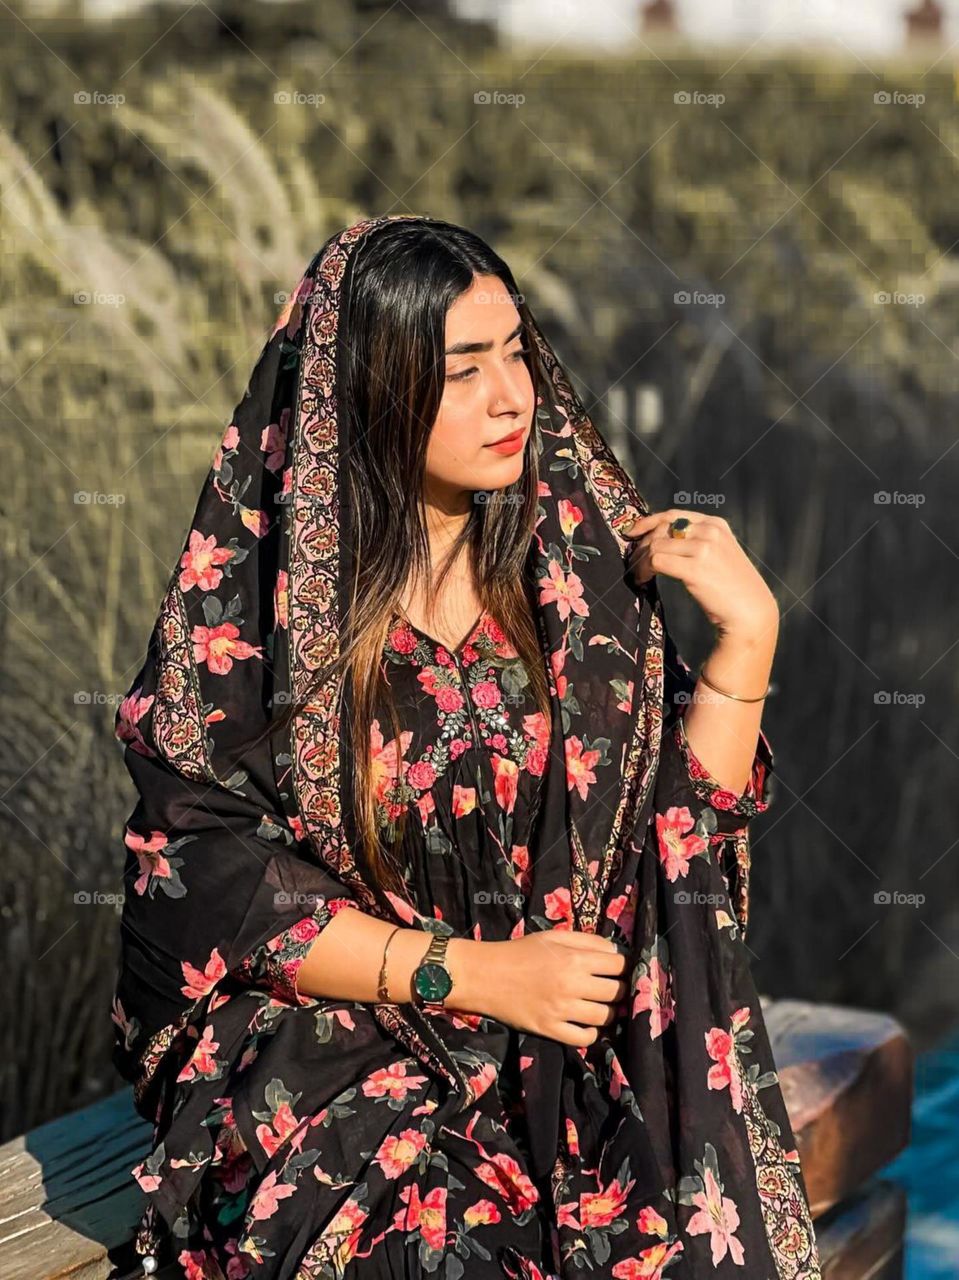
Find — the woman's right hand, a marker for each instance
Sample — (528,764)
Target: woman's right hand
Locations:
(560,983)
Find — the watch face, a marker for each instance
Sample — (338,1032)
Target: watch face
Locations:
(432,981)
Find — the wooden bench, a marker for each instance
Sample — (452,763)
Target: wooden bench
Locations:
(68,1205)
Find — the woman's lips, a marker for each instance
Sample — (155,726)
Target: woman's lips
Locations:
(509,444)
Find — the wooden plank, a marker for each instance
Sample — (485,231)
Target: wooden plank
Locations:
(839,1069)
(862,1239)
(66,1195)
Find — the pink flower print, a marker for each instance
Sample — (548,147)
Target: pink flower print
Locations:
(570,516)
(220,646)
(132,710)
(504,1175)
(486,694)
(268,1195)
(388,767)
(650,1264)
(199,982)
(579,765)
(281,599)
(719,1216)
(273,441)
(481,1080)
(675,848)
(344,1230)
(397,1152)
(654,996)
(427,1215)
(464,800)
(559,906)
(272,1136)
(258,522)
(482,1213)
(602,1208)
(448,699)
(402,639)
(725,1072)
(506,784)
(392,1081)
(231,438)
(421,775)
(566,592)
(148,1182)
(651,1223)
(202,1062)
(626,701)
(199,564)
(149,855)
(537,727)
(426,806)
(622,910)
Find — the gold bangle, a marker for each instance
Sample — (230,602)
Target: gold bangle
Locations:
(705,679)
(381,991)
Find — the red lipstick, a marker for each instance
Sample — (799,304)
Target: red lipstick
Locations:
(509,444)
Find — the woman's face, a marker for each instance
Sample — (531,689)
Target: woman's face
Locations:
(487,395)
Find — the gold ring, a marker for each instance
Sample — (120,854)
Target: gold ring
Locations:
(677,528)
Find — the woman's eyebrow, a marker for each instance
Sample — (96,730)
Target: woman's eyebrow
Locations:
(468,348)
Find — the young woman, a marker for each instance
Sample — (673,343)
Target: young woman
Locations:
(432,947)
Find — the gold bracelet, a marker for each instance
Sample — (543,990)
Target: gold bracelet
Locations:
(705,679)
(381,991)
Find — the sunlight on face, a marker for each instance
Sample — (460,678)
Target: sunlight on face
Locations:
(488,394)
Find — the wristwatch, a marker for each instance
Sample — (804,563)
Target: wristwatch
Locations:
(432,981)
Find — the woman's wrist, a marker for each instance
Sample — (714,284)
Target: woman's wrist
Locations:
(472,966)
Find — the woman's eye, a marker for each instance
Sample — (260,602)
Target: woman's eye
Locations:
(468,373)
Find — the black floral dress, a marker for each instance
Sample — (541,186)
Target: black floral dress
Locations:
(332,1167)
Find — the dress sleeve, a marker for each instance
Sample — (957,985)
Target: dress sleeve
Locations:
(274,965)
(685,783)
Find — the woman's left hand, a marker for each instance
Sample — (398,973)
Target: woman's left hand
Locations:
(710,563)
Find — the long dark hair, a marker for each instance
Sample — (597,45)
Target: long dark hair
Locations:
(404,280)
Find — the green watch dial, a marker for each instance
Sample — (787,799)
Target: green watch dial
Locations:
(432,981)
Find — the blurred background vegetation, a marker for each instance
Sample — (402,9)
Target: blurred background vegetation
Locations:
(747,264)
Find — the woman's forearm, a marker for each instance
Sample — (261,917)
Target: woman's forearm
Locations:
(344,962)
(723,732)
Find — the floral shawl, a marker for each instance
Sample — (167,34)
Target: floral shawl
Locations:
(639,843)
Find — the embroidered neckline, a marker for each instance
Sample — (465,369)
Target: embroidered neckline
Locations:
(400,618)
